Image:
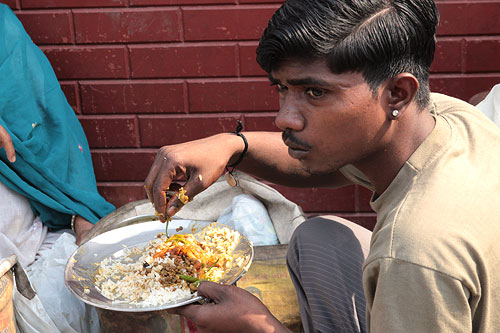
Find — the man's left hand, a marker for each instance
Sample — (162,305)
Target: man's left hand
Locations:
(233,310)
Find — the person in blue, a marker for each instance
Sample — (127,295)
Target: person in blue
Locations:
(47,182)
(46,157)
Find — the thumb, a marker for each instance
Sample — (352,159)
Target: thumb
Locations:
(191,188)
(213,291)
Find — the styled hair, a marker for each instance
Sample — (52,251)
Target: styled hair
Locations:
(378,38)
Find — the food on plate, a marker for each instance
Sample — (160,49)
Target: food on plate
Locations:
(167,269)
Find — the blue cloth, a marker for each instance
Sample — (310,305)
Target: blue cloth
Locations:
(53,167)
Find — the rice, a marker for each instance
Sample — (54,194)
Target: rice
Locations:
(142,277)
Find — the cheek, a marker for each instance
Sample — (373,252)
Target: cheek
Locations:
(348,134)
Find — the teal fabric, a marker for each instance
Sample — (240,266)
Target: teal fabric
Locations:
(53,167)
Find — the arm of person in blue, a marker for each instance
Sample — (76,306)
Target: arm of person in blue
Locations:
(51,165)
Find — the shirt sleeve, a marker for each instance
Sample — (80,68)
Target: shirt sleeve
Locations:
(405,297)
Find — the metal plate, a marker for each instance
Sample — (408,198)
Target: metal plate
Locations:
(82,265)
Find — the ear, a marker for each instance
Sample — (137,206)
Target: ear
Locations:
(399,93)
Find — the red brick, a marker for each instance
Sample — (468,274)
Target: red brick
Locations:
(469,18)
(226,23)
(13,4)
(320,199)
(72,3)
(157,96)
(261,123)
(70,90)
(119,25)
(157,131)
(178,2)
(448,56)
(363,196)
(365,220)
(248,62)
(48,27)
(482,54)
(110,131)
(261,1)
(232,95)
(120,194)
(122,165)
(463,86)
(182,61)
(88,62)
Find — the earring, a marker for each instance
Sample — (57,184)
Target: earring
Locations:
(395,113)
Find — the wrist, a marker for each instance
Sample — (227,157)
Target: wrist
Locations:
(81,225)
(234,146)
(237,132)
(269,324)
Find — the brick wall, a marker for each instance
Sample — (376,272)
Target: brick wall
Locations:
(145,73)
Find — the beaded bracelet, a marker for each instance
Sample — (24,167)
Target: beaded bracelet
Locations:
(73,217)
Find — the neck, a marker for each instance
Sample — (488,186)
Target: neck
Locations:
(405,135)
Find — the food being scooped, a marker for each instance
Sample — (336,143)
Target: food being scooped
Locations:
(167,269)
(180,192)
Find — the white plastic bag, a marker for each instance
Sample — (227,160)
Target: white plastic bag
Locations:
(250,217)
(490,105)
(54,308)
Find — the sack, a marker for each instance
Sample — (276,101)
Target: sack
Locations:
(249,216)
(54,308)
(211,203)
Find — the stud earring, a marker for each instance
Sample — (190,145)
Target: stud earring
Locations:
(395,113)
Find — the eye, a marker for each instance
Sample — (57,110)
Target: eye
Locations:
(280,87)
(315,93)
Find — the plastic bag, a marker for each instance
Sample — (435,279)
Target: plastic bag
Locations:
(490,106)
(54,308)
(250,217)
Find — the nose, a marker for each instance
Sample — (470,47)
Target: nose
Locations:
(289,116)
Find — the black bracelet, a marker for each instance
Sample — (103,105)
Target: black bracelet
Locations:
(239,127)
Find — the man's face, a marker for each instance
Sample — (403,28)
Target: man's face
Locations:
(328,120)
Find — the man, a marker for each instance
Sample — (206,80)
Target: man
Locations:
(355,107)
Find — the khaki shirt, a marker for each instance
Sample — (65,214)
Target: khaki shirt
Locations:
(434,261)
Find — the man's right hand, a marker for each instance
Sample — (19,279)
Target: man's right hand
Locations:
(200,163)
(6,143)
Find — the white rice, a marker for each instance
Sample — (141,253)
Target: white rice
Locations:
(124,279)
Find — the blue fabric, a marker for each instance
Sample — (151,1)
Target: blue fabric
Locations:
(53,167)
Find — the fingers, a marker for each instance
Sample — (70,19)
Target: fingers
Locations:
(158,181)
(151,178)
(192,187)
(188,311)
(183,161)
(6,143)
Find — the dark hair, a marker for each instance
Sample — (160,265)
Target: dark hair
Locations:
(378,38)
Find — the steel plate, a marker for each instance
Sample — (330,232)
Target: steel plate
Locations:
(83,263)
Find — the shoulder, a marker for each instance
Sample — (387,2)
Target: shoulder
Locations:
(460,114)
(440,103)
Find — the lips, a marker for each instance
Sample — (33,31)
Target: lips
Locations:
(294,150)
(297,153)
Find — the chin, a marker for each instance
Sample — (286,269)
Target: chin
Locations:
(318,168)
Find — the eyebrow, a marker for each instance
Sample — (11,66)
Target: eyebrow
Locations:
(307,81)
